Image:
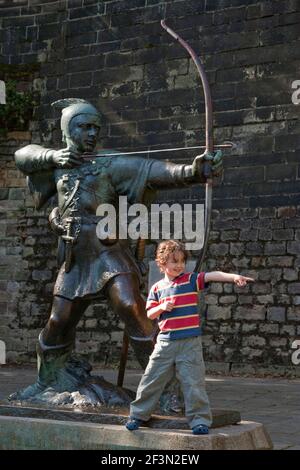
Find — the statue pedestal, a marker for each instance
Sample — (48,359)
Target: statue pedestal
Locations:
(23,427)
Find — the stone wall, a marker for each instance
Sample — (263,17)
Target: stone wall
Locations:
(256,325)
(115,54)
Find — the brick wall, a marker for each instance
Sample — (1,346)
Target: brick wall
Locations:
(115,54)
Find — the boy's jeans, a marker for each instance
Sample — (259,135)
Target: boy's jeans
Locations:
(185,355)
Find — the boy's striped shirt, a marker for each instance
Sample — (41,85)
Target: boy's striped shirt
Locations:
(184,320)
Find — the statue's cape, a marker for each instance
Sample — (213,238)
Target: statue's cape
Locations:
(42,187)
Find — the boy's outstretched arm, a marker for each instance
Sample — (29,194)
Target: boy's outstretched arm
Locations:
(219,276)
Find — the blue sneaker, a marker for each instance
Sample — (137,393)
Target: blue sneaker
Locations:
(133,423)
(200,429)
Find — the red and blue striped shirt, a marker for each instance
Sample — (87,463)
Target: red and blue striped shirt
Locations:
(184,320)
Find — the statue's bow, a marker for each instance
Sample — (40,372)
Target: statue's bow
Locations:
(209,144)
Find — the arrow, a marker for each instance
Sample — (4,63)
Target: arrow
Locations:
(226,145)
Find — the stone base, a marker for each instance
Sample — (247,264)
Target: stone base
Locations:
(73,386)
(48,434)
(109,415)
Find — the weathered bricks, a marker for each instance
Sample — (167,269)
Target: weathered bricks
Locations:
(116,54)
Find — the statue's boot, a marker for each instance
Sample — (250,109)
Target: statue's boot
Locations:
(143,348)
(51,361)
(171,400)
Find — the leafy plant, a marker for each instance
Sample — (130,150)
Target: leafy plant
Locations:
(16,114)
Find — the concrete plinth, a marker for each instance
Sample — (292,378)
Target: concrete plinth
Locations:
(114,415)
(47,434)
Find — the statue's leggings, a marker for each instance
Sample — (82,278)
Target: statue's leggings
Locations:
(123,292)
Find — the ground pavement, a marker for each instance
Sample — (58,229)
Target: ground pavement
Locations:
(271,401)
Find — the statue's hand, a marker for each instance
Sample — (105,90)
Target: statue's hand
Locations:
(217,163)
(66,158)
(209,164)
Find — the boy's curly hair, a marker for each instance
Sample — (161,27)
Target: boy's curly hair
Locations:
(167,248)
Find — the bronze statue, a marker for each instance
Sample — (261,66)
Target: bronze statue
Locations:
(90,268)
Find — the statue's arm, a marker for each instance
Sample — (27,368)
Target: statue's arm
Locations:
(35,162)
(167,175)
(34,158)
(131,175)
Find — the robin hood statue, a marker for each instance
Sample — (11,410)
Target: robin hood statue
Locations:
(89,267)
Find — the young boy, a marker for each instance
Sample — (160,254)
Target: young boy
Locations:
(173,301)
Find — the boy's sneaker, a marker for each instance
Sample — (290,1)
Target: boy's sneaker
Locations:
(200,429)
(133,423)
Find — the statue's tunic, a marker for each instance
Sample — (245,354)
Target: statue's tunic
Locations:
(95,262)
(91,184)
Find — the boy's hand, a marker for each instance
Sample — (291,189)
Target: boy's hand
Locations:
(242,281)
(167,306)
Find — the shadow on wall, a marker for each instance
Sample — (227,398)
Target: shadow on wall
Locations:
(2,352)
(2,92)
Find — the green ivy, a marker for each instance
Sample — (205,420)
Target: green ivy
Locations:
(16,114)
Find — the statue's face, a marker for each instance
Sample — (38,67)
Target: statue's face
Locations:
(84,130)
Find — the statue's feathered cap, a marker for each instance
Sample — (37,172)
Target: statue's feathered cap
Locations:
(72,107)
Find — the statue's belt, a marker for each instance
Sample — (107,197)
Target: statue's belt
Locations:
(61,225)
(89,219)
(82,219)
(70,226)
